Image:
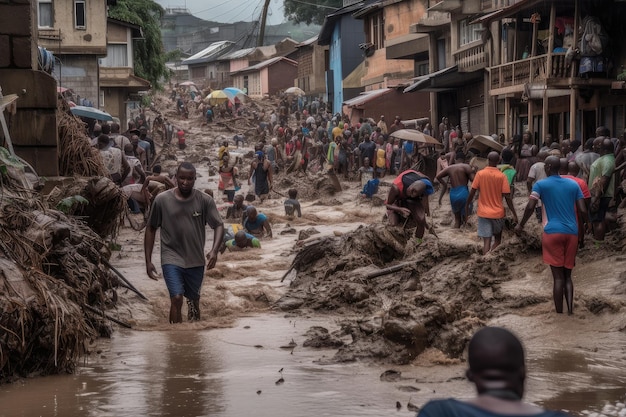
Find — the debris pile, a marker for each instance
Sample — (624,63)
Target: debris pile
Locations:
(54,274)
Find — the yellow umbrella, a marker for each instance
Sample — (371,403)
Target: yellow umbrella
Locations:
(217,97)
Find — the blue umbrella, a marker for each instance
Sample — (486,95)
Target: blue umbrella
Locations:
(91,113)
(233,92)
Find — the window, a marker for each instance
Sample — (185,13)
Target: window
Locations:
(469,33)
(44,14)
(375,30)
(117,56)
(80,19)
(421,68)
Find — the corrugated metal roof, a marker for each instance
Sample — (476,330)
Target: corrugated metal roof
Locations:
(366,96)
(237,54)
(308,41)
(265,63)
(209,53)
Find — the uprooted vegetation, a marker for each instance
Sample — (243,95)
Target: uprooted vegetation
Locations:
(55,279)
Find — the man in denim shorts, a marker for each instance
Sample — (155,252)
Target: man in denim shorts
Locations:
(182,214)
(493,185)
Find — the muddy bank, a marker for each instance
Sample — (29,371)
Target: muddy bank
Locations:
(400,299)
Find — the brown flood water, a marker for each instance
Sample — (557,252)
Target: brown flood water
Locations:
(235,372)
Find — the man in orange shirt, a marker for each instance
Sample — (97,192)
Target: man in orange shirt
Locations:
(493,185)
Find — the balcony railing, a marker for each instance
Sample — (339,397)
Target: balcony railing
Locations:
(471,59)
(518,73)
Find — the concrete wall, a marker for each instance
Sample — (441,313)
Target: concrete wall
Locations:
(394,103)
(80,73)
(33,129)
(311,67)
(281,76)
(90,40)
(382,72)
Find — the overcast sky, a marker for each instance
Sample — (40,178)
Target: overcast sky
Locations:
(229,11)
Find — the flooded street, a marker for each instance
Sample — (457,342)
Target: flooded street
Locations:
(235,372)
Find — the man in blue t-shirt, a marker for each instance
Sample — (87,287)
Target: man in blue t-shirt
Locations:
(561,198)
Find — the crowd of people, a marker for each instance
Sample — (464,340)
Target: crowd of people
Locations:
(571,189)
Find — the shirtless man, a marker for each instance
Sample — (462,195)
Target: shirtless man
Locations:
(157,182)
(498,370)
(459,175)
(408,196)
(238,210)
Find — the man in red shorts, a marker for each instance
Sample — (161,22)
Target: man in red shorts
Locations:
(559,242)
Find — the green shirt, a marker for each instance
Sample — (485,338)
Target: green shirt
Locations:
(603,167)
(253,242)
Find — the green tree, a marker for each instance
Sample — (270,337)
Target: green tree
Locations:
(310,11)
(149,58)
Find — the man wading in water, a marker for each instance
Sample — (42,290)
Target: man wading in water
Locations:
(182,214)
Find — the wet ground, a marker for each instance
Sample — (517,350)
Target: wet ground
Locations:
(228,364)
(236,371)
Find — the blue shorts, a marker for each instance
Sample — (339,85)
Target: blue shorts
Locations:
(458,198)
(183,281)
(489,227)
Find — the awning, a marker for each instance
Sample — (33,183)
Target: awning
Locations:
(407,46)
(446,79)
(419,83)
(366,97)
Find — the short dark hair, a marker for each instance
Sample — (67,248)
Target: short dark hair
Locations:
(507,155)
(186,165)
(103,139)
(495,348)
(293,193)
(156,169)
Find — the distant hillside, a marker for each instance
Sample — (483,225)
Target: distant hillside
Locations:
(190,34)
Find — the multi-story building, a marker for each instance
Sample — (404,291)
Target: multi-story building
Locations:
(312,65)
(517,65)
(119,86)
(75,31)
(343,34)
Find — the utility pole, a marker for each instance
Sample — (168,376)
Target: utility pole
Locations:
(261,37)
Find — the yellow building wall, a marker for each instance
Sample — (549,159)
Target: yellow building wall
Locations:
(90,40)
(380,70)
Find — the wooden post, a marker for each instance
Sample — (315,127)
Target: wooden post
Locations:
(508,128)
(574,91)
(544,117)
(261,38)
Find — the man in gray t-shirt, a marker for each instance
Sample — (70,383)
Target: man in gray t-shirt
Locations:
(182,214)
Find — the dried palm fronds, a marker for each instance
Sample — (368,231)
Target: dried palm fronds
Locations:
(76,155)
(51,266)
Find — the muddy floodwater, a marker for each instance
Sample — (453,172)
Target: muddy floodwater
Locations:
(237,372)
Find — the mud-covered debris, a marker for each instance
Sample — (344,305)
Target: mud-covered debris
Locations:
(307,233)
(319,337)
(391,375)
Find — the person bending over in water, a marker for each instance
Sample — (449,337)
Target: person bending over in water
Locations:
(408,196)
